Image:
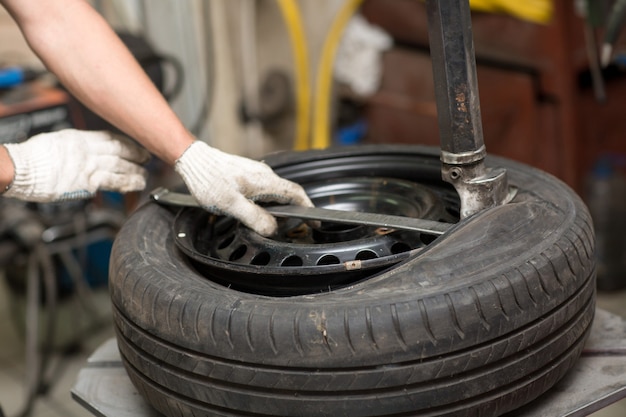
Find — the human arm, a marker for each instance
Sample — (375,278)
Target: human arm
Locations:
(80,48)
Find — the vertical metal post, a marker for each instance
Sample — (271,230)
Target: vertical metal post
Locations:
(456,87)
(458,106)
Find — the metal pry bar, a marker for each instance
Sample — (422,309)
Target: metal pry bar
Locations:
(458,107)
(166,197)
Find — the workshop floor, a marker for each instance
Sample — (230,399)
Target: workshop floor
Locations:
(92,333)
(59,403)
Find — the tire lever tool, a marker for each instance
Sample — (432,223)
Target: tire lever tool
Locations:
(166,197)
(458,108)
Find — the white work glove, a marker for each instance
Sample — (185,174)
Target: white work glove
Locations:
(73,164)
(227,184)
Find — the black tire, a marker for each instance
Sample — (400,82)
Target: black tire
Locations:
(487,318)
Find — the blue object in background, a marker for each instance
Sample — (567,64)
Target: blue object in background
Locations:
(351,134)
(14,76)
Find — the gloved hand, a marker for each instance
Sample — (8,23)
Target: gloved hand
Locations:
(72,164)
(227,184)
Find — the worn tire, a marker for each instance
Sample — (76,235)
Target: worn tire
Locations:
(487,318)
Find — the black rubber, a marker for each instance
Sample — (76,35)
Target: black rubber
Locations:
(487,318)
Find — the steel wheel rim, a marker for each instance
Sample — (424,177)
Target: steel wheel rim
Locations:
(332,256)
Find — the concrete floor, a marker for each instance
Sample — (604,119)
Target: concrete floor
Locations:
(58,402)
(65,366)
(614,302)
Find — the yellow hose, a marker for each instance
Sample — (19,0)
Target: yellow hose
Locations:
(321,124)
(293,20)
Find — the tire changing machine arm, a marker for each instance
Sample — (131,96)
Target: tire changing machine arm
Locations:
(458,108)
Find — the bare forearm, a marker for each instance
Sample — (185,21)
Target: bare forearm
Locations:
(79,47)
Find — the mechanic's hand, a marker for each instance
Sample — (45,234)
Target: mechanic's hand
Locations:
(72,164)
(228,184)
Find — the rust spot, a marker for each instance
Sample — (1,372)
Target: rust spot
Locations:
(352,265)
(461,102)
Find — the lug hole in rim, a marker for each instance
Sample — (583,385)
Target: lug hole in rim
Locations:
(364,255)
(226,242)
(292,260)
(261,259)
(328,260)
(238,253)
(400,247)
